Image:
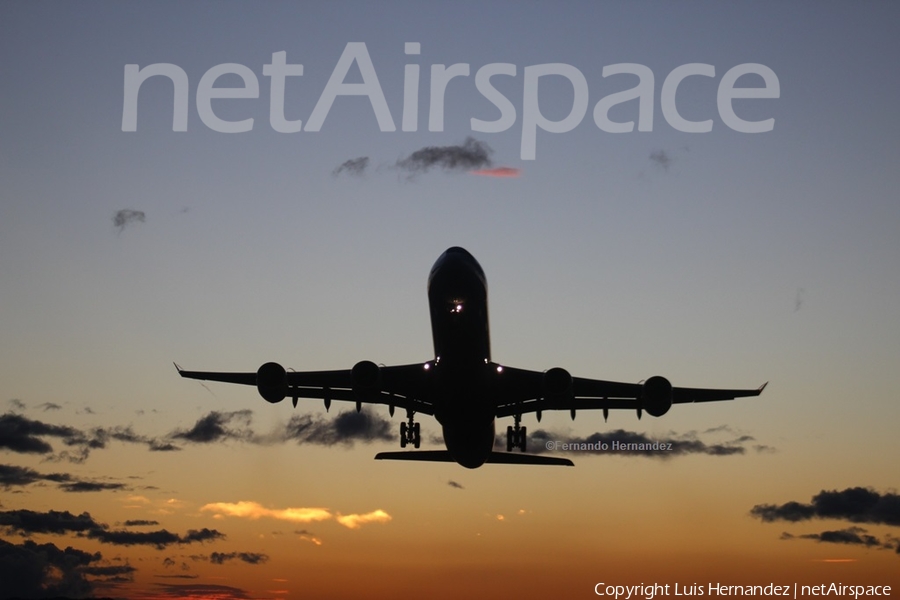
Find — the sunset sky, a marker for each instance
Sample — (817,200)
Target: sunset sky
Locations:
(717,259)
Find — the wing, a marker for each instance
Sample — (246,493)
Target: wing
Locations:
(402,386)
(520,391)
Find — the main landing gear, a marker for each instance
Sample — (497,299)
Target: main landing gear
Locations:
(516,435)
(409,432)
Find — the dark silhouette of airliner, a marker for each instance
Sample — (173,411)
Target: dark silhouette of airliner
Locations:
(461,387)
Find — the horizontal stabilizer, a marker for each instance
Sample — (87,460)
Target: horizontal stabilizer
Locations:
(505,458)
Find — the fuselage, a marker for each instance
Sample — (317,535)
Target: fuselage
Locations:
(457,299)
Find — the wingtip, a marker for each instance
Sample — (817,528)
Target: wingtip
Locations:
(177,367)
(762,387)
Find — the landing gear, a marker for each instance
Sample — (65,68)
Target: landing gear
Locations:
(516,436)
(410,432)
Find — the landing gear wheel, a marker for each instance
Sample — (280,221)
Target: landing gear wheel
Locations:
(403,435)
(516,436)
(416,435)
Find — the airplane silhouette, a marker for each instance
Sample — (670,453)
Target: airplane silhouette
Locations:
(461,387)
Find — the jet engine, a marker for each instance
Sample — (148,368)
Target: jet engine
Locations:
(557,384)
(271,382)
(656,396)
(366,378)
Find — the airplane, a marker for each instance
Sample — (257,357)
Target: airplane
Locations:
(462,387)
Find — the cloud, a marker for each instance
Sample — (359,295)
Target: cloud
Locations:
(661,159)
(856,505)
(619,441)
(470,155)
(251,558)
(49,406)
(20,434)
(453,484)
(853,536)
(27,522)
(345,428)
(31,570)
(354,166)
(160,539)
(126,217)
(308,537)
(53,522)
(25,436)
(91,486)
(17,404)
(140,523)
(11,475)
(216,426)
(357,521)
(498,172)
(254,510)
(199,590)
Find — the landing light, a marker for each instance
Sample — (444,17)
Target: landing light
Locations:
(499,369)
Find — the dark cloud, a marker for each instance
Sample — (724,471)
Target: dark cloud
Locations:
(453,484)
(30,570)
(661,159)
(354,166)
(118,572)
(140,523)
(160,539)
(251,558)
(199,590)
(346,428)
(856,505)
(91,486)
(853,536)
(126,217)
(472,154)
(49,406)
(681,445)
(27,522)
(11,475)
(17,404)
(217,426)
(23,435)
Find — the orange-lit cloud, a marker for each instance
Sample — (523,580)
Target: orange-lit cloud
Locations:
(837,560)
(254,510)
(355,521)
(498,172)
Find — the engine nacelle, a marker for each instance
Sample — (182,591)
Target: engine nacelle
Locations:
(366,378)
(271,382)
(557,384)
(656,396)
